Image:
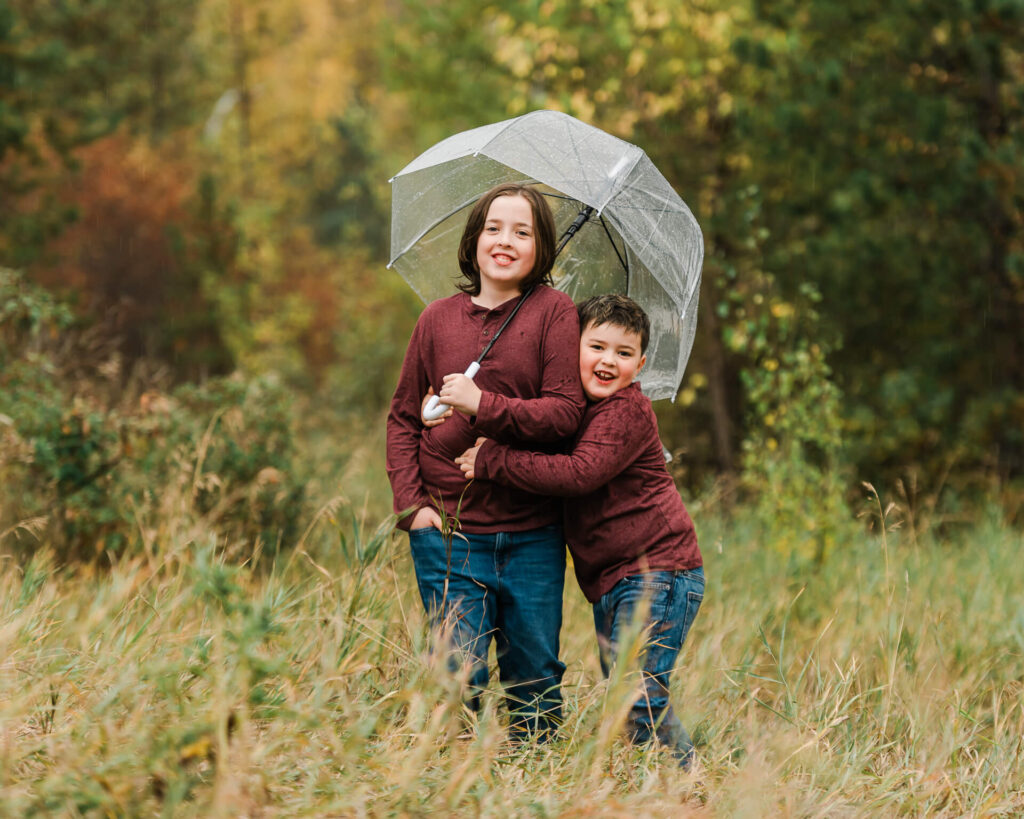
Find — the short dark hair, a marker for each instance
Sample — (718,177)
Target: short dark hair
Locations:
(620,311)
(543,236)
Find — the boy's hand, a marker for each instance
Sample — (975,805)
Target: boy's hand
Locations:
(423,406)
(461,393)
(467,460)
(425,517)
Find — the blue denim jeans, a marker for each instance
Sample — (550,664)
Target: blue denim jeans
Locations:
(507,586)
(674,598)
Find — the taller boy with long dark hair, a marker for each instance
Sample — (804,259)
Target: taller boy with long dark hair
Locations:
(502,573)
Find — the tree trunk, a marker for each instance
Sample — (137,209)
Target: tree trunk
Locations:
(718,381)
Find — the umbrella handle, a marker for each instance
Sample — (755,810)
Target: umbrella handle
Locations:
(435,409)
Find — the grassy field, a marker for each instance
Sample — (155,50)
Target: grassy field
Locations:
(204,678)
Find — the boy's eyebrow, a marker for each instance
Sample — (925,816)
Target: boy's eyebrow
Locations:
(605,341)
(515,224)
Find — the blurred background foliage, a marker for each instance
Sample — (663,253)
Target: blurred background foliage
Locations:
(194,220)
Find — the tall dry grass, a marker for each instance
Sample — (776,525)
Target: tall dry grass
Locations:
(204,678)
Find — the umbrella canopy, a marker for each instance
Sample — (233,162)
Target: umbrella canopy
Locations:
(642,240)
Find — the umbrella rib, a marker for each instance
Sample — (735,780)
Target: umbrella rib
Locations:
(511,123)
(549,164)
(425,231)
(539,154)
(611,240)
(612,193)
(575,149)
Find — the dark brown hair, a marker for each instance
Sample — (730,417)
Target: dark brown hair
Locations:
(621,311)
(543,237)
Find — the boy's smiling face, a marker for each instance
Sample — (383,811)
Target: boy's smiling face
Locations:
(610,357)
(506,248)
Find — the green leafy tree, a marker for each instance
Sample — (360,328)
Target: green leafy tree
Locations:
(889,149)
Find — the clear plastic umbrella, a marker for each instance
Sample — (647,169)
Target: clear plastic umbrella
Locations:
(640,239)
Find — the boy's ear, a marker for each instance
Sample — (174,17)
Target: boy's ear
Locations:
(640,366)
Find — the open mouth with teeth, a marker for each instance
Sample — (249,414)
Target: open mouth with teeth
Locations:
(603,377)
(502,260)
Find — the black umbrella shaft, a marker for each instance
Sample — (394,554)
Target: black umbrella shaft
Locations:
(504,324)
(569,233)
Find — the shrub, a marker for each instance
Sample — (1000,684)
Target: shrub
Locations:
(101,476)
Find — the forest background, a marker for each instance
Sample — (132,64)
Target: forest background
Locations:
(206,182)
(197,325)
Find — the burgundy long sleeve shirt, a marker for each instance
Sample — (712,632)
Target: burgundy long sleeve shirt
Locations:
(623,513)
(531,398)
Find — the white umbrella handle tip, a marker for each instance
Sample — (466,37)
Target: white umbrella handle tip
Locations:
(435,409)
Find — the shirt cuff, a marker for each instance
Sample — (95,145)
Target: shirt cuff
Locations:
(405,523)
(486,456)
(484,412)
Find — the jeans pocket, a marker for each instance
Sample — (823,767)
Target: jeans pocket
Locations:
(652,581)
(694,575)
(693,583)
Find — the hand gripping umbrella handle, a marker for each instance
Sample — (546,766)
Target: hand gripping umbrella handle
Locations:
(435,409)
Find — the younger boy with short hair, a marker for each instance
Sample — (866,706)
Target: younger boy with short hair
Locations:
(630,535)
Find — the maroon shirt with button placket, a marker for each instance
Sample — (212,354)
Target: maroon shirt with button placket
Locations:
(623,513)
(536,359)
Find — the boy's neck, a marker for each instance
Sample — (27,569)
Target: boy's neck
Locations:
(491,297)
(610,395)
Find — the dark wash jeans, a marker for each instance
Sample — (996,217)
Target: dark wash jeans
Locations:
(674,598)
(507,586)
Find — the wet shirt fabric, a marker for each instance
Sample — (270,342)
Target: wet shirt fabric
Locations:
(623,513)
(531,398)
